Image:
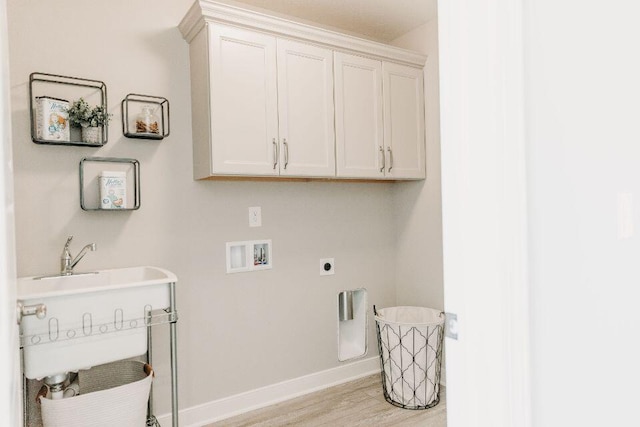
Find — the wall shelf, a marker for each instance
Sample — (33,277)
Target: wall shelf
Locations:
(59,88)
(135,128)
(90,199)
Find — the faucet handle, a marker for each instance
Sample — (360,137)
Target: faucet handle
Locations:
(69,239)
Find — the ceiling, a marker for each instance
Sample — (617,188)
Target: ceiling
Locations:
(380,20)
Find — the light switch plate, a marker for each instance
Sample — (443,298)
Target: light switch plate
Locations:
(625,216)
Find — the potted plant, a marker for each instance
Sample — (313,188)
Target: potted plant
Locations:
(91,120)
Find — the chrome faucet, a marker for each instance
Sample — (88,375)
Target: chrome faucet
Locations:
(67,262)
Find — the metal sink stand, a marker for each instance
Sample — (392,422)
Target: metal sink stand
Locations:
(152,318)
(172,314)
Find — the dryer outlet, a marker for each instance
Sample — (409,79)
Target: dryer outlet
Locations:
(327,266)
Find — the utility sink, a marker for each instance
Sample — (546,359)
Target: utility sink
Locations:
(91,318)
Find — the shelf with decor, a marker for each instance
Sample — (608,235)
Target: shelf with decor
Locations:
(109,184)
(58,120)
(152,120)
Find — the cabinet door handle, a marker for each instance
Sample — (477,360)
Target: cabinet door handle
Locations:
(286,152)
(383,159)
(390,158)
(275,153)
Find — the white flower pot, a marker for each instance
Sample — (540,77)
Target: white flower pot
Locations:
(92,135)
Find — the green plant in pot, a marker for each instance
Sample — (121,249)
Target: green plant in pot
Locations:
(92,120)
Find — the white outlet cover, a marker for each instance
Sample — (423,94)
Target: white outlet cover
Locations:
(255,216)
(327,266)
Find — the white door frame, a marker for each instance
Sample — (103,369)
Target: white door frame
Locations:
(10,385)
(484,211)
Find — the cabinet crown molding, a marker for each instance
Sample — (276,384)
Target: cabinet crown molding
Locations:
(210,11)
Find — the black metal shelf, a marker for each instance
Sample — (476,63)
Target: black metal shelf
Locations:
(163,106)
(136,184)
(37,80)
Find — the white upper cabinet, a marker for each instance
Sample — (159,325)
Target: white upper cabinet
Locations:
(274,98)
(244,104)
(271,106)
(305,108)
(404,133)
(359,127)
(379,119)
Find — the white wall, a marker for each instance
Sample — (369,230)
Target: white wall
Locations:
(10,395)
(418,205)
(236,332)
(583,152)
(483,210)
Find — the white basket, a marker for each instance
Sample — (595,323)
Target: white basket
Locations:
(110,395)
(410,344)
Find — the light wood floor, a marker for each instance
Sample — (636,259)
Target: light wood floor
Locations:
(357,403)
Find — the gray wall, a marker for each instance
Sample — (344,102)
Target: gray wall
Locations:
(236,332)
(418,205)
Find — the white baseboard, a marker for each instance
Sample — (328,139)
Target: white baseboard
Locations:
(220,409)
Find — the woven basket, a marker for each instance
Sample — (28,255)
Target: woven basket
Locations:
(111,395)
(410,344)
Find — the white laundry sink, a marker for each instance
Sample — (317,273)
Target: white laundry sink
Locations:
(91,318)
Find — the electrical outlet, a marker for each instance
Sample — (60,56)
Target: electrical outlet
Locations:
(255,216)
(327,266)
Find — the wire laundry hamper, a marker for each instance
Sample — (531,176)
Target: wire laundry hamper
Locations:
(111,395)
(410,344)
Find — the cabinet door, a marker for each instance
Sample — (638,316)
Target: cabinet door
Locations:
(305,110)
(359,132)
(403,121)
(244,116)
